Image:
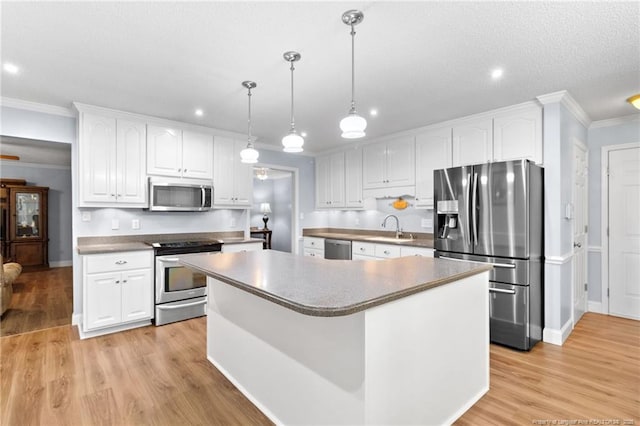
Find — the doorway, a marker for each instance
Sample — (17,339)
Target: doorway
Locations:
(621,236)
(275,205)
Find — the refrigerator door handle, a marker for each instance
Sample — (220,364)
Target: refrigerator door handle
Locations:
(494,264)
(468,196)
(500,290)
(474,211)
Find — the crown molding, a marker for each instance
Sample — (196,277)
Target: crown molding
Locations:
(615,121)
(564,97)
(36,107)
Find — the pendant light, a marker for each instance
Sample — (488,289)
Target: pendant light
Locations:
(293,141)
(353,125)
(249,154)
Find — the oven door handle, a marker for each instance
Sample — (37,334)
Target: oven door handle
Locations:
(169,259)
(186,305)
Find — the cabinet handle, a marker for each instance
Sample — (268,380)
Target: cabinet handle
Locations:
(117,281)
(386,252)
(124,281)
(185,170)
(361,248)
(113,195)
(179,170)
(121,262)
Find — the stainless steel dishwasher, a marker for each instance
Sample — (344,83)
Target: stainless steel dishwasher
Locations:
(337,249)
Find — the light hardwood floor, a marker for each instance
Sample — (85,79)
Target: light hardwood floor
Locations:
(160,375)
(41,299)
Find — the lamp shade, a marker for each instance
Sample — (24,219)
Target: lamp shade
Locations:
(353,126)
(292,142)
(249,155)
(265,208)
(635,101)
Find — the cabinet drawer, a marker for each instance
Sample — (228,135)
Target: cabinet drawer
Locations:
(387,251)
(416,251)
(314,252)
(314,243)
(120,261)
(363,249)
(240,247)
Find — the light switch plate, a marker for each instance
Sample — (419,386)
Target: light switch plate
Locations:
(115,224)
(135,223)
(86,216)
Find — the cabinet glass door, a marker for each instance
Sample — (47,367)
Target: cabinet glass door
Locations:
(27,223)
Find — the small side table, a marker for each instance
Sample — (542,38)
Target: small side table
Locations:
(265,234)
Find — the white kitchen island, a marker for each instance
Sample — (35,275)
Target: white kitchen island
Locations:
(315,341)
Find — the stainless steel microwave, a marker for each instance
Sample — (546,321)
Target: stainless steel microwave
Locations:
(182,195)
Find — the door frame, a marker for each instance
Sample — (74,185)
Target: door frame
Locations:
(295,202)
(581,144)
(604,221)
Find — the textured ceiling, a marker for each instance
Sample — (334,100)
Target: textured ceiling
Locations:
(418,63)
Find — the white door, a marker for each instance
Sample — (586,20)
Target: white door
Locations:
(624,233)
(131,165)
(401,162)
(353,177)
(473,142)
(433,152)
(580,221)
(164,151)
(137,295)
(197,155)
(103,303)
(97,154)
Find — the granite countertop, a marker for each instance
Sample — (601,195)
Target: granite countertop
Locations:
(419,240)
(326,288)
(110,244)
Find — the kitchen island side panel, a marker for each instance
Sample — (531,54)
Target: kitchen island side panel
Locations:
(392,363)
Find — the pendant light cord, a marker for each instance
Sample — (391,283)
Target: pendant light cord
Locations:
(249,119)
(293,125)
(353,72)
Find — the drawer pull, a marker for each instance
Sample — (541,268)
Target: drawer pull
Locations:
(361,248)
(121,262)
(387,252)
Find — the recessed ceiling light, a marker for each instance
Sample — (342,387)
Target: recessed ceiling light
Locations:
(497,73)
(10,68)
(199,112)
(373,112)
(303,134)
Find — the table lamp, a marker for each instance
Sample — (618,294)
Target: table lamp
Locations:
(265,208)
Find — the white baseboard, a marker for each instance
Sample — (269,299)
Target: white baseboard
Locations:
(76,319)
(61,264)
(115,329)
(557,337)
(595,307)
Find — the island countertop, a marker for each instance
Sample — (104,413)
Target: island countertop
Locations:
(326,288)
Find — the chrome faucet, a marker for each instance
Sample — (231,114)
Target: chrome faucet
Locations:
(398,229)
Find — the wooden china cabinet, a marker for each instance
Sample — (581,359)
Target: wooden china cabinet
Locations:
(24,221)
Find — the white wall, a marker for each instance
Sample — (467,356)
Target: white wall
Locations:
(603,133)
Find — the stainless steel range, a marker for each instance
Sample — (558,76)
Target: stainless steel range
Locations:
(179,292)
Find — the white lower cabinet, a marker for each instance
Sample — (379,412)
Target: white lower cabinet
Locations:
(117,289)
(240,247)
(415,251)
(374,251)
(313,247)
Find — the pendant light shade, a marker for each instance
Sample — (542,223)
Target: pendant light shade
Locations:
(353,125)
(292,142)
(249,155)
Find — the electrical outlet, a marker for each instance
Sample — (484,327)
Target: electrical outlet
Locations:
(115,224)
(135,223)
(301,216)
(86,216)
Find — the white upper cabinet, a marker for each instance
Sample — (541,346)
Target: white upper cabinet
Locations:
(172,152)
(164,151)
(389,164)
(232,179)
(473,142)
(353,178)
(197,155)
(112,155)
(433,152)
(330,181)
(517,134)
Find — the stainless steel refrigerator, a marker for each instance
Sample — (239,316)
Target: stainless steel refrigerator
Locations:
(493,213)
